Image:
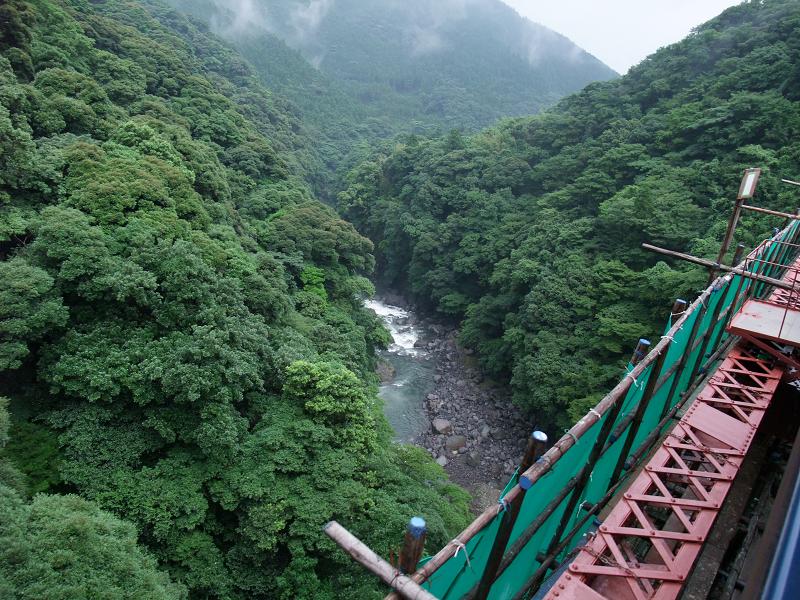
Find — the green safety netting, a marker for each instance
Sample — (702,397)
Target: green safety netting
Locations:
(462,572)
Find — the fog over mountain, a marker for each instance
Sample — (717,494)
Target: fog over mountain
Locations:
(415,64)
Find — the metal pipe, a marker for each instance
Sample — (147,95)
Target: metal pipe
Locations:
(767,211)
(707,263)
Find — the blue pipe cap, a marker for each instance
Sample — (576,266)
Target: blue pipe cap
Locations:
(416,527)
(539,436)
(644,342)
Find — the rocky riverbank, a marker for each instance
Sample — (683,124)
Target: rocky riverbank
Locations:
(475,432)
(467,424)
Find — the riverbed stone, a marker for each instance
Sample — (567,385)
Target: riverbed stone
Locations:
(386,372)
(442,426)
(454,442)
(442,460)
(474,459)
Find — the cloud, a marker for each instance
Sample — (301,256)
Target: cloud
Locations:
(424,33)
(305,19)
(239,17)
(424,41)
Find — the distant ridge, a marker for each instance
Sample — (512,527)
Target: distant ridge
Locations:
(414,65)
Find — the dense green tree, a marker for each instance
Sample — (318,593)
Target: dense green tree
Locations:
(529,233)
(362,71)
(181,327)
(65,547)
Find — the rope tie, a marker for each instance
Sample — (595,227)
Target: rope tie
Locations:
(503,504)
(459,547)
(397,574)
(572,435)
(596,414)
(668,337)
(633,379)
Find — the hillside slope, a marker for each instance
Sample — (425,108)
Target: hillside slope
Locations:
(455,63)
(530,232)
(387,66)
(181,333)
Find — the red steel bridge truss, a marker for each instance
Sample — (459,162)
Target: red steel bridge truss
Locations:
(647,545)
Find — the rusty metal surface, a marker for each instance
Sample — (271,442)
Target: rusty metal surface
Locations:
(649,542)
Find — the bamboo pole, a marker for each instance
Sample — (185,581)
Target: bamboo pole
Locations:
(362,554)
(527,535)
(641,407)
(413,544)
(709,263)
(535,449)
(568,440)
(641,451)
(690,347)
(647,443)
(594,455)
(699,363)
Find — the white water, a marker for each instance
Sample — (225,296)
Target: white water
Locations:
(414,370)
(396,320)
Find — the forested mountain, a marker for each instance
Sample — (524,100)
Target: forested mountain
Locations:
(530,232)
(181,335)
(386,66)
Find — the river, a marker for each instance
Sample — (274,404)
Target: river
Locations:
(414,370)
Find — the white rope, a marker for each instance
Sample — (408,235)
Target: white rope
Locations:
(459,547)
(668,337)
(596,414)
(633,379)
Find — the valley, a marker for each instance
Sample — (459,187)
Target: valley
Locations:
(199,200)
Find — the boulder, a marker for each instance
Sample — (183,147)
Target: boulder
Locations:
(442,460)
(473,459)
(454,442)
(442,426)
(386,372)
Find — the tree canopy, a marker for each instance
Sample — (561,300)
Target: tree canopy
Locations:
(181,329)
(529,233)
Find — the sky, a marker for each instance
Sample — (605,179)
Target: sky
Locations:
(621,32)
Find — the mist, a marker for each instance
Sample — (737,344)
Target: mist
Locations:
(240,17)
